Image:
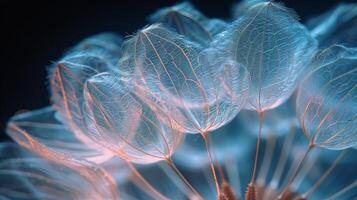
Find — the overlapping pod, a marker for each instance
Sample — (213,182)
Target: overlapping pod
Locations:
(275,48)
(121,122)
(62,128)
(198,91)
(37,128)
(326,101)
(31,177)
(186,20)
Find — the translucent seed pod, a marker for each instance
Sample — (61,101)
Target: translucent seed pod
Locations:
(187,21)
(198,94)
(67,80)
(42,128)
(124,124)
(325,104)
(274,47)
(31,177)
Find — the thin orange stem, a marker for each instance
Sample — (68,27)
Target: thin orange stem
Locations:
(267,158)
(150,189)
(323,177)
(257,148)
(182,177)
(220,171)
(343,190)
(204,136)
(297,171)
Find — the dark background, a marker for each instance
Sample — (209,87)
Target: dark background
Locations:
(34,35)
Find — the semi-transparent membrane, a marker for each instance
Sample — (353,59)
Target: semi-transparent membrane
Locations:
(326,107)
(67,79)
(123,123)
(176,74)
(119,110)
(186,20)
(31,177)
(274,47)
(174,71)
(41,127)
(276,50)
(325,104)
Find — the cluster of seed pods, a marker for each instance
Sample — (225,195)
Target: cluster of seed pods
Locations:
(173,111)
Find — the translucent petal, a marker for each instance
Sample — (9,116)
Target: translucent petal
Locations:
(337,26)
(188,21)
(67,80)
(121,122)
(35,178)
(326,104)
(39,129)
(274,47)
(201,93)
(331,54)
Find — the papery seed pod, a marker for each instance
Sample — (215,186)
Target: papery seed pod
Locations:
(176,74)
(274,47)
(67,80)
(325,104)
(31,177)
(188,21)
(66,127)
(124,124)
(37,128)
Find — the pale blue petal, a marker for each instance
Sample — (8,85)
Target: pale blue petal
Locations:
(67,80)
(326,104)
(40,132)
(200,95)
(188,21)
(124,124)
(30,177)
(274,47)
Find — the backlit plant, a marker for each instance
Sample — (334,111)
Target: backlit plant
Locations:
(257,107)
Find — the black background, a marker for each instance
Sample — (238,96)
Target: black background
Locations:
(34,35)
